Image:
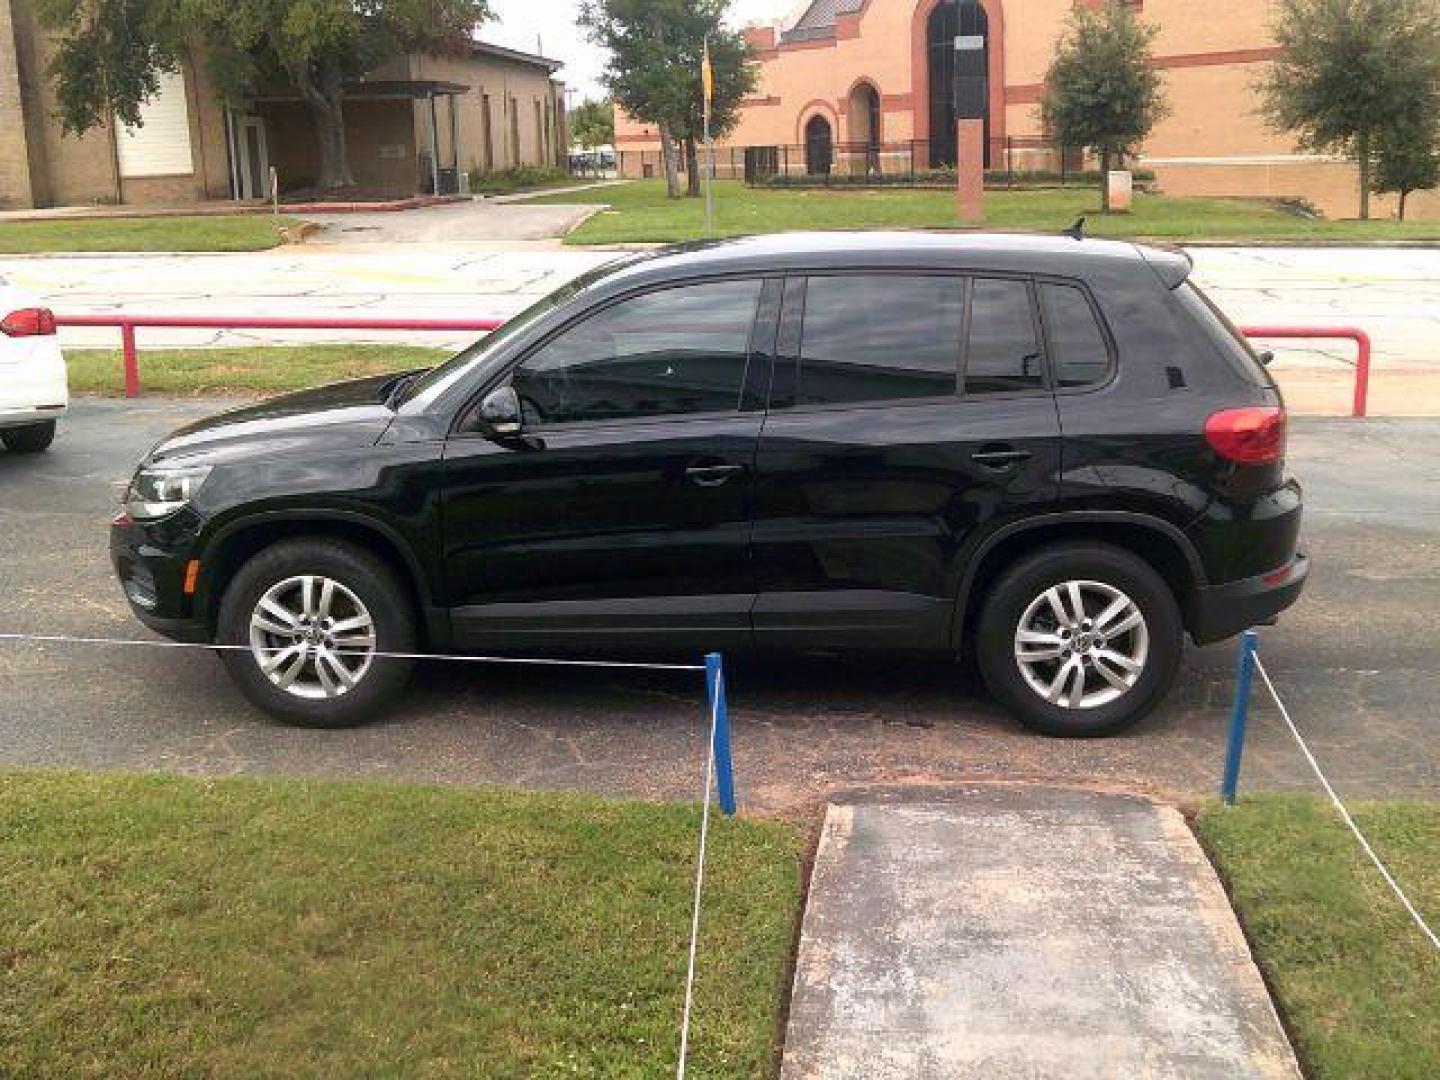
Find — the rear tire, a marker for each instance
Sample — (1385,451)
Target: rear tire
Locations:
(1087,667)
(316,611)
(29,440)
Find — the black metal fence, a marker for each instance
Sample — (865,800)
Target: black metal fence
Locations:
(1013,160)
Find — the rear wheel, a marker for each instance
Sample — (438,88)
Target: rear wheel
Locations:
(1080,639)
(29,440)
(309,617)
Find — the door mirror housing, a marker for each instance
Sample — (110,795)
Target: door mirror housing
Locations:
(1266,357)
(500,413)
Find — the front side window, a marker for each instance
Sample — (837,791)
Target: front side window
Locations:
(1078,352)
(881,337)
(675,351)
(1002,354)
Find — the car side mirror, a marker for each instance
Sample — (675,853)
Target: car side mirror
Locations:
(500,412)
(1266,357)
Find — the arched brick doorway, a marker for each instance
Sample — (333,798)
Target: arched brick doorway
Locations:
(819,146)
(864,128)
(934,27)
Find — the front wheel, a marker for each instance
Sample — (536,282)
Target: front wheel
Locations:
(306,620)
(29,440)
(1080,640)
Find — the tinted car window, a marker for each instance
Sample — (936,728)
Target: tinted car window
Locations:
(680,350)
(880,338)
(1230,343)
(1001,354)
(1079,355)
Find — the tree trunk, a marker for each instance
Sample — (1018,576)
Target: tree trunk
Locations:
(667,153)
(322,86)
(1362,156)
(1403,196)
(1104,181)
(692,169)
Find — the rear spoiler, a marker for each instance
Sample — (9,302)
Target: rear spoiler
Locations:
(1172,265)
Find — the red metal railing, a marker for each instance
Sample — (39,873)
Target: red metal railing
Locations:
(127,325)
(1350,333)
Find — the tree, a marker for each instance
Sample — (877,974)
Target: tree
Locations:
(1353,74)
(111,52)
(1408,159)
(1102,91)
(653,72)
(592,123)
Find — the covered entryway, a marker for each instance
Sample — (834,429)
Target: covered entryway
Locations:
(819,146)
(865,133)
(402,137)
(949,20)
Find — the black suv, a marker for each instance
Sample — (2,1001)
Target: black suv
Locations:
(1053,452)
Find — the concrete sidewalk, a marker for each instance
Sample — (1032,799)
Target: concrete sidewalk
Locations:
(1023,932)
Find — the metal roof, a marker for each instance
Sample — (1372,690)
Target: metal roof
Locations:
(817,22)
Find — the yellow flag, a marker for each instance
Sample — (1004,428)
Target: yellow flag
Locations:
(707,79)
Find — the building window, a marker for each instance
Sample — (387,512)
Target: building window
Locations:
(819,146)
(160,146)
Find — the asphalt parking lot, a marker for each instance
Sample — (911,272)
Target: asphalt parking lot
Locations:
(1357,662)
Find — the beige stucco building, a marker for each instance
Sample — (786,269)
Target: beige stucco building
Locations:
(415,121)
(868,80)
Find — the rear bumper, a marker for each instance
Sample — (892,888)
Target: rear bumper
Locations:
(13,416)
(1222,611)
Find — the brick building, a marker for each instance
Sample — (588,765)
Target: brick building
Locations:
(865,83)
(417,122)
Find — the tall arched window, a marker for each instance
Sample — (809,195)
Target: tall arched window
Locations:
(951,19)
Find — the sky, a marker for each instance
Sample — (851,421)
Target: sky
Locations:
(522,24)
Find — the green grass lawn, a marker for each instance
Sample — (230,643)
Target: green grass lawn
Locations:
(640,211)
(250,370)
(164,927)
(1358,983)
(237,232)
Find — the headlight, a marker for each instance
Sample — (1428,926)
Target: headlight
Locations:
(157,490)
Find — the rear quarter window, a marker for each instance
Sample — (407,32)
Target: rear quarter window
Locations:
(1222,334)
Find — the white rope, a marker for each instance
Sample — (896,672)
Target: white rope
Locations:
(65,639)
(719,691)
(1345,814)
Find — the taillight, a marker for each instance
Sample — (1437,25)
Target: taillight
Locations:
(1253,436)
(28,322)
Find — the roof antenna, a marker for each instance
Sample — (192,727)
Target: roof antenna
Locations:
(1077,231)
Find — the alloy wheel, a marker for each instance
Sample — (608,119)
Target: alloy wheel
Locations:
(312,637)
(1082,644)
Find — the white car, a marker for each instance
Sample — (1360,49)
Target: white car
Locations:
(34,388)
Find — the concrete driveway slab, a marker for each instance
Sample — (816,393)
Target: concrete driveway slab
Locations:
(1023,933)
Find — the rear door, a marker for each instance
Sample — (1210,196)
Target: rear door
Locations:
(907,411)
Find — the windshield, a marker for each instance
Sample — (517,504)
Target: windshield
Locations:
(474,357)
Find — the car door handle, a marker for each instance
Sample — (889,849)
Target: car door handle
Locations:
(1000,459)
(712,475)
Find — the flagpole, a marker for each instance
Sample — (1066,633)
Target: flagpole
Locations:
(707,89)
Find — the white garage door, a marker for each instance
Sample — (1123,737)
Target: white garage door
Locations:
(161,145)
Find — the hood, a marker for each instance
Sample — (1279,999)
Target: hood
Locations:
(339,416)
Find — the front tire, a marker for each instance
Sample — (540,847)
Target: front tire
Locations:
(1080,640)
(309,615)
(29,440)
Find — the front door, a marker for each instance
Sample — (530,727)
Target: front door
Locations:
(622,516)
(254,158)
(907,412)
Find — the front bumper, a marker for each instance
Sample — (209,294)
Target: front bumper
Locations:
(150,562)
(1222,611)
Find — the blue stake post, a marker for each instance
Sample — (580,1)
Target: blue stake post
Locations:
(720,732)
(1236,744)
